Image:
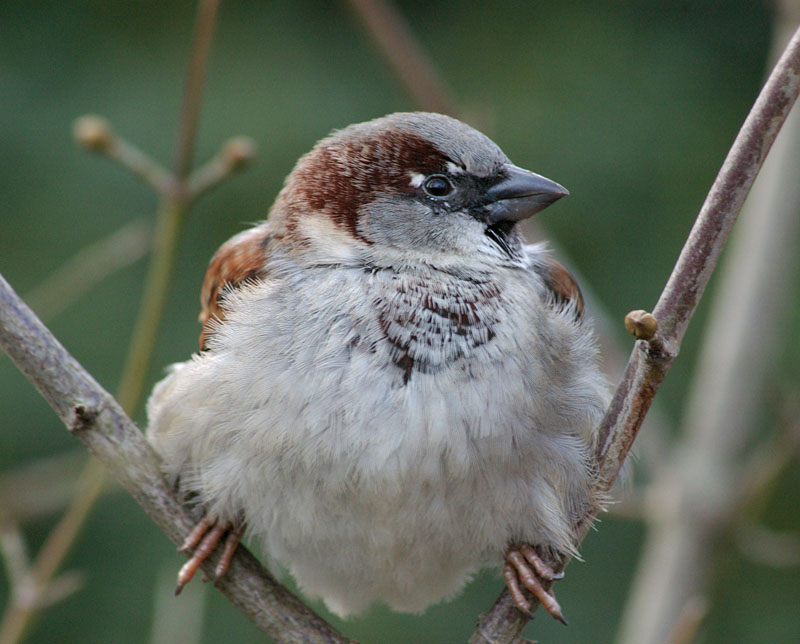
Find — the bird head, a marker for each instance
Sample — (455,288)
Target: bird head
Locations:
(408,188)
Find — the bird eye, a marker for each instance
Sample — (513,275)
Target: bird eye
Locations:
(438,186)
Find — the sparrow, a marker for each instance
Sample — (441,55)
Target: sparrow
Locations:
(393,391)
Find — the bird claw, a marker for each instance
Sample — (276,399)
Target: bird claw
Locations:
(524,566)
(201,542)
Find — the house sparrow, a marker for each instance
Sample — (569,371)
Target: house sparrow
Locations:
(392,390)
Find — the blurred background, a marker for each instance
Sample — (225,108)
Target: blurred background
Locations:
(631,105)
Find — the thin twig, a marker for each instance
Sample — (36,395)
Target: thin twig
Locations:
(171,216)
(96,135)
(693,270)
(646,367)
(99,422)
(42,487)
(405,55)
(193,90)
(89,266)
(703,483)
(234,155)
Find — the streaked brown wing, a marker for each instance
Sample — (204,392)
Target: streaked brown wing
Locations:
(563,286)
(238,260)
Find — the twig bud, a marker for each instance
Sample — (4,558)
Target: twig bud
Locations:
(641,324)
(238,151)
(93,132)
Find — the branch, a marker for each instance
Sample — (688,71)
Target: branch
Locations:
(705,480)
(651,360)
(40,488)
(234,155)
(95,134)
(97,420)
(89,266)
(177,191)
(193,89)
(404,54)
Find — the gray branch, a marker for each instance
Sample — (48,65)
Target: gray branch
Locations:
(95,418)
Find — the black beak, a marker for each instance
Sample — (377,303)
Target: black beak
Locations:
(520,194)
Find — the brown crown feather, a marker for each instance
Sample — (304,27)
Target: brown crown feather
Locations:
(339,176)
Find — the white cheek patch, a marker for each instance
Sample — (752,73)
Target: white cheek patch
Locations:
(454,169)
(417,179)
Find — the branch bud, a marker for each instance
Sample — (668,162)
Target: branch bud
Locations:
(238,151)
(641,324)
(93,132)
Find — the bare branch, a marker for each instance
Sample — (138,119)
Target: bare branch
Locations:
(89,266)
(699,256)
(405,55)
(694,611)
(646,368)
(235,154)
(193,89)
(704,484)
(42,487)
(98,421)
(96,135)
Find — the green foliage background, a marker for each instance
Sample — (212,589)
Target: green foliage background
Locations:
(631,105)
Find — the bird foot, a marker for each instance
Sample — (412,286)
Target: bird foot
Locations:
(201,542)
(524,566)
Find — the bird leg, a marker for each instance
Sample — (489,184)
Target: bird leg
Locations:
(201,542)
(523,564)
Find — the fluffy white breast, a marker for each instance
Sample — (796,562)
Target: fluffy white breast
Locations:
(387,433)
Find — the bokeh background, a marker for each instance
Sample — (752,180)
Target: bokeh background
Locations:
(631,105)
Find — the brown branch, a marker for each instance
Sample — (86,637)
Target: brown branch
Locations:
(234,155)
(95,133)
(40,488)
(89,266)
(648,363)
(193,91)
(701,485)
(404,54)
(97,420)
